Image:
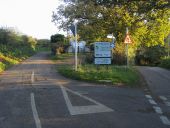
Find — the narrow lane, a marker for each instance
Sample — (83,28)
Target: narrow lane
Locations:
(158,80)
(39,90)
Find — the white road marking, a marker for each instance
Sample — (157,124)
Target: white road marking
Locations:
(165,120)
(152,102)
(167,103)
(163,98)
(32,77)
(148,96)
(157,109)
(34,111)
(76,110)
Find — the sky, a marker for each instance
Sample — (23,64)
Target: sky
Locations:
(30,17)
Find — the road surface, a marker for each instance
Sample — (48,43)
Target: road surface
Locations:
(34,95)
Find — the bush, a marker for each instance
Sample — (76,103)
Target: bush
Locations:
(89,58)
(165,63)
(2,66)
(149,55)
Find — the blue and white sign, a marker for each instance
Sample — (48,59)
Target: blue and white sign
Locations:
(102,49)
(102,61)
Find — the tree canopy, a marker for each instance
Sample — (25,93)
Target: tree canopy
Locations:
(97,18)
(148,21)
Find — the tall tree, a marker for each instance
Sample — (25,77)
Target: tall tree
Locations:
(147,21)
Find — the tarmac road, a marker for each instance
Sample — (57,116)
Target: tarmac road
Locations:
(34,95)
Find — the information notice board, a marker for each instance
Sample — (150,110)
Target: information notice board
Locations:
(102,53)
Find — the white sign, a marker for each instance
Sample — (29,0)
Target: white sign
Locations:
(102,61)
(102,49)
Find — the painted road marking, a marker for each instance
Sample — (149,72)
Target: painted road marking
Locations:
(165,120)
(167,103)
(157,109)
(148,96)
(163,98)
(152,102)
(77,110)
(34,111)
(32,77)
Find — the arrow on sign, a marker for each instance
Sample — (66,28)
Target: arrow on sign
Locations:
(112,45)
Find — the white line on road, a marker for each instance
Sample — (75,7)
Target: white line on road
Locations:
(165,120)
(34,111)
(32,77)
(152,102)
(157,109)
(76,110)
(148,96)
(163,98)
(167,103)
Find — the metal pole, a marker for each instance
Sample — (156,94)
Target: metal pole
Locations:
(168,44)
(127,58)
(75,46)
(168,47)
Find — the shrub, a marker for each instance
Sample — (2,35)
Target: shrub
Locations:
(165,63)
(2,66)
(149,55)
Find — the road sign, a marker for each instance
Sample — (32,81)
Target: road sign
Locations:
(102,49)
(102,61)
(127,39)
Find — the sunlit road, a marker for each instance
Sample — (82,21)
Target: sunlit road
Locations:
(34,95)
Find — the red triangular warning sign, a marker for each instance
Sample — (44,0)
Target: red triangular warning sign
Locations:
(127,39)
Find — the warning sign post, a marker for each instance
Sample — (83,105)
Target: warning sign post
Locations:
(127,41)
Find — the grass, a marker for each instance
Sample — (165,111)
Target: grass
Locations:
(114,75)
(110,74)
(61,56)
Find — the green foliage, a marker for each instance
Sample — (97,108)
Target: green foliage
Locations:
(119,57)
(147,21)
(150,56)
(2,66)
(57,38)
(9,36)
(14,47)
(57,44)
(43,45)
(115,75)
(165,62)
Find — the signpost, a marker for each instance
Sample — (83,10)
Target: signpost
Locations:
(102,53)
(127,41)
(74,31)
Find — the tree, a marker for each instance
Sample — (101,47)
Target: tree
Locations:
(57,38)
(147,20)
(57,42)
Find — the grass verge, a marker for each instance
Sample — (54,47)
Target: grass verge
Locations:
(110,74)
(114,75)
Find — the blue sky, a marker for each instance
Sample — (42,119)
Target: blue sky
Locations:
(31,17)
